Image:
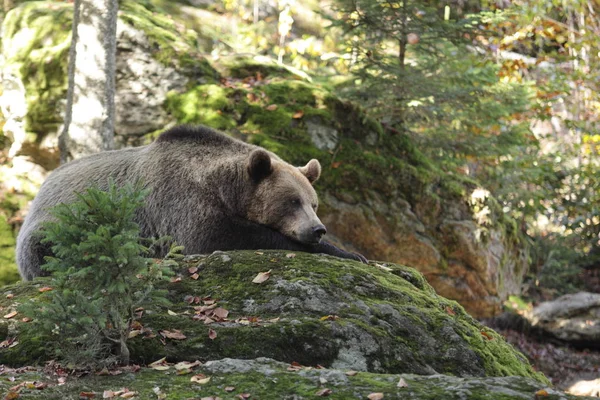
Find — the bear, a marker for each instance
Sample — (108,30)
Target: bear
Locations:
(208,192)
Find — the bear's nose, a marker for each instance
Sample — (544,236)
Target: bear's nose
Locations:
(319,231)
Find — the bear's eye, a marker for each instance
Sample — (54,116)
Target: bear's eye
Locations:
(314,206)
(295,202)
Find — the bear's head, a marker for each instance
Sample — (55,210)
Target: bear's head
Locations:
(283,197)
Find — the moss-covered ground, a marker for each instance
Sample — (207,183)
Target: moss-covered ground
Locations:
(310,311)
(265,379)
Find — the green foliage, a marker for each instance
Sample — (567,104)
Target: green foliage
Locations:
(100,275)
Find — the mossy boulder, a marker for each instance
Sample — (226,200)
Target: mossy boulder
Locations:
(314,310)
(264,378)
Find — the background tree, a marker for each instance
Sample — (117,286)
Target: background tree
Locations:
(90,114)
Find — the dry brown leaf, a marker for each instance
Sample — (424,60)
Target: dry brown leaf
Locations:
(375,396)
(45,289)
(10,315)
(87,395)
(128,395)
(243,396)
(402,383)
(212,334)
(10,296)
(336,164)
(193,270)
(175,279)
(450,311)
(195,277)
(324,392)
(108,394)
(271,107)
(11,396)
(290,255)
(260,253)
(261,277)
(200,379)
(351,373)
(229,389)
(487,335)
(175,334)
(542,393)
(220,313)
(173,313)
(186,365)
(298,114)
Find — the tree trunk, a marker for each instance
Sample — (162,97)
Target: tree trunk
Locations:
(90,114)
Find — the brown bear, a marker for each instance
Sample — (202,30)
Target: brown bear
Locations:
(208,192)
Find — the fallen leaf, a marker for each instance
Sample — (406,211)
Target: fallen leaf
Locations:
(175,334)
(290,255)
(351,373)
(244,396)
(171,312)
(193,270)
(229,389)
(336,164)
(260,253)
(175,279)
(260,278)
(329,318)
(271,107)
(375,396)
(220,313)
(45,289)
(108,394)
(87,395)
(402,383)
(128,395)
(542,393)
(212,334)
(450,311)
(298,114)
(324,392)
(383,267)
(186,365)
(11,396)
(195,277)
(488,336)
(200,379)
(10,296)
(10,315)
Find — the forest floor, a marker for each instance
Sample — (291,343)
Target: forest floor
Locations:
(562,364)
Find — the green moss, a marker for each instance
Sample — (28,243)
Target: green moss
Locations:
(8,268)
(204,104)
(36,44)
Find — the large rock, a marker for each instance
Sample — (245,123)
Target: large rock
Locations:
(154,56)
(572,318)
(314,310)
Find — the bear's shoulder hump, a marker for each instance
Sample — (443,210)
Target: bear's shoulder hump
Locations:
(193,133)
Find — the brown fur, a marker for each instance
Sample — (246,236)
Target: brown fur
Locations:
(208,191)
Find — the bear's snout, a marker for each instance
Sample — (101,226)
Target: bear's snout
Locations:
(318,232)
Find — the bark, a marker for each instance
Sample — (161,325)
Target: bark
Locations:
(90,114)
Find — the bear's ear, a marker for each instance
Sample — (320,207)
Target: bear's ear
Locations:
(312,170)
(259,166)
